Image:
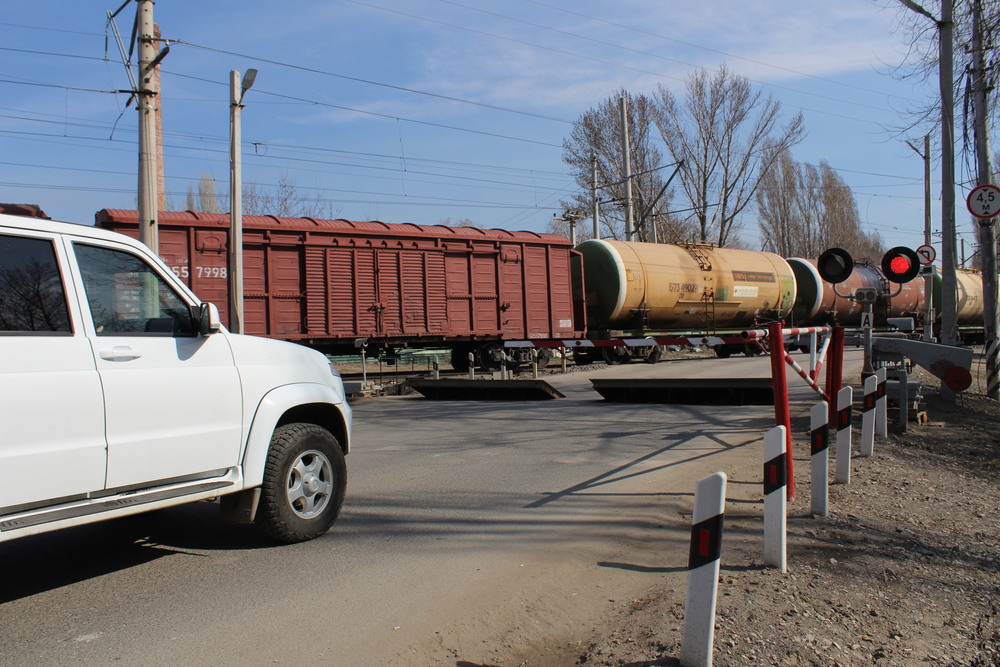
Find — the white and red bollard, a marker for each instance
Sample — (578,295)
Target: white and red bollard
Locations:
(868,416)
(844,398)
(819,447)
(881,404)
(703,571)
(775,500)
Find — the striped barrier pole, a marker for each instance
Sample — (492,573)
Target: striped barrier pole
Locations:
(881,404)
(821,356)
(868,416)
(703,571)
(805,376)
(844,398)
(775,502)
(472,366)
(779,381)
(819,447)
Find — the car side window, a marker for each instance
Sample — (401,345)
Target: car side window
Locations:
(32,296)
(127,297)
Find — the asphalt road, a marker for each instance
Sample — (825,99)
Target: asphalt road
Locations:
(468,528)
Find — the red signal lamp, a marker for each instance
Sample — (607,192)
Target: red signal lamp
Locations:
(900,265)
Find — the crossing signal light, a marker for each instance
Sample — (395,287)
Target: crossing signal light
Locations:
(901,264)
(835,265)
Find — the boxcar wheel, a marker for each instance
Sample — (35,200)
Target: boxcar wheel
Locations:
(615,355)
(304,481)
(544,357)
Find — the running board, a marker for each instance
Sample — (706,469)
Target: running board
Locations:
(97,507)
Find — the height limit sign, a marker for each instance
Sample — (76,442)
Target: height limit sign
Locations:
(984,202)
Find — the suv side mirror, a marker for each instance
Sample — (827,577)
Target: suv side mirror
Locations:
(206,318)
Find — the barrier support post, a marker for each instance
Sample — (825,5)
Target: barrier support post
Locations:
(868,416)
(703,571)
(844,399)
(775,502)
(779,380)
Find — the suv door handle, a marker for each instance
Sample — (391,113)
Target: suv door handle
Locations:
(120,353)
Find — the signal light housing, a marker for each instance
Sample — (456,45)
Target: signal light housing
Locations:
(835,265)
(901,264)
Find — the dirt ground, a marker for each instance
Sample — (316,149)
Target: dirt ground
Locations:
(904,571)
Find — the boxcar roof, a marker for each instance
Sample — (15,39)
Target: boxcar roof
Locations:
(376,227)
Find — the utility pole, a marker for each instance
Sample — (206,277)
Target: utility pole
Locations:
(148,98)
(987,227)
(595,213)
(949,284)
(627,163)
(929,281)
(237,90)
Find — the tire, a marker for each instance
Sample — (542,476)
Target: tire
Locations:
(304,482)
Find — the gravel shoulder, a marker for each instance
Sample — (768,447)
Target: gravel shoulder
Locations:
(904,571)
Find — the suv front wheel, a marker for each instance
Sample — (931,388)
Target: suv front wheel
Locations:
(304,483)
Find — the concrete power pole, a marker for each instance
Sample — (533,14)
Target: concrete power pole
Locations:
(237,90)
(595,212)
(148,99)
(949,283)
(627,164)
(987,227)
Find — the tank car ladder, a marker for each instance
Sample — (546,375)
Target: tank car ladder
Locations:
(708,292)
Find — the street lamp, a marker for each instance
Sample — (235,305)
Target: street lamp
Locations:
(237,90)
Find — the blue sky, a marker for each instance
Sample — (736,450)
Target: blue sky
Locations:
(423,110)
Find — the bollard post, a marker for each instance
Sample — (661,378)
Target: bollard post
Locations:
(844,398)
(534,363)
(835,370)
(775,501)
(782,416)
(437,369)
(563,360)
(881,404)
(703,571)
(472,367)
(868,416)
(819,446)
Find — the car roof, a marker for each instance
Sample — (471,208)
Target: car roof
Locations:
(24,223)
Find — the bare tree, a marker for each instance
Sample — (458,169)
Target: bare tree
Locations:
(803,210)
(598,134)
(727,136)
(208,202)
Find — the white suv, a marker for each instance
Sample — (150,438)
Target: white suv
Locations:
(121,392)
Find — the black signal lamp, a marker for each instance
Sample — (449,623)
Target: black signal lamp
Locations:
(901,264)
(835,265)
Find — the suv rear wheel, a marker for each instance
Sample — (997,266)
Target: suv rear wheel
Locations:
(304,483)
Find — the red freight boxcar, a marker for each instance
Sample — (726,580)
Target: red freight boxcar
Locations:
(327,283)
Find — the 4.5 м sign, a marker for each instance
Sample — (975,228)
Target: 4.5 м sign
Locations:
(984,201)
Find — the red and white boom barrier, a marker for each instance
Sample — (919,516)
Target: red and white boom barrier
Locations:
(703,571)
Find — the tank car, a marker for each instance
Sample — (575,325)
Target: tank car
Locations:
(818,303)
(656,286)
